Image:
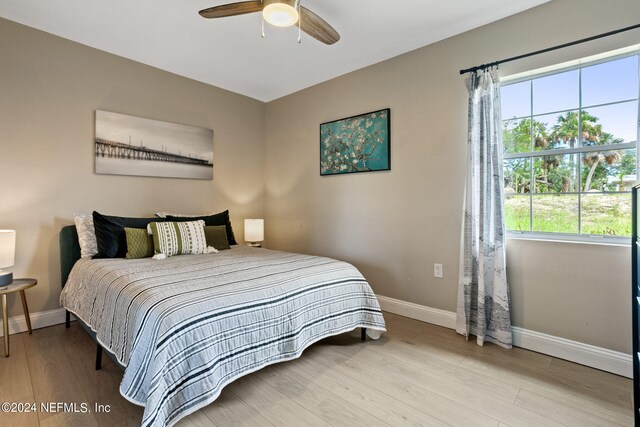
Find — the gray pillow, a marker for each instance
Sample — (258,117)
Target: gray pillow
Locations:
(86,235)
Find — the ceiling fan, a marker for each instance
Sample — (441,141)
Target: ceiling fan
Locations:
(281,13)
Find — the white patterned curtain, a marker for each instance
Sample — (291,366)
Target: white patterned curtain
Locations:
(483,293)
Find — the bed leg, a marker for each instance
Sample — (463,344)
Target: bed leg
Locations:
(363,334)
(98,357)
(67,319)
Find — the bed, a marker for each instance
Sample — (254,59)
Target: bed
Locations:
(184,327)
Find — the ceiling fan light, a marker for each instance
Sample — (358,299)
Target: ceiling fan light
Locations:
(280,14)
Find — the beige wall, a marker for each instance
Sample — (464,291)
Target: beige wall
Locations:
(395,225)
(49,90)
(576,291)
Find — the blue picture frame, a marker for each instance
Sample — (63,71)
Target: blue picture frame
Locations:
(356,144)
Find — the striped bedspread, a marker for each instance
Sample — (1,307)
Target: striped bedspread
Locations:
(186,326)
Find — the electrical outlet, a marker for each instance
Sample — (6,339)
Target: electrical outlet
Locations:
(437,271)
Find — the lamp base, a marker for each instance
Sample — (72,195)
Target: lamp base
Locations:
(254,244)
(6,278)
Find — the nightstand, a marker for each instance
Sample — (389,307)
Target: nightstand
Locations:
(18,285)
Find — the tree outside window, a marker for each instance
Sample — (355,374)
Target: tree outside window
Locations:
(570,149)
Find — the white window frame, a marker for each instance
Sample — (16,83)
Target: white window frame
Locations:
(557,69)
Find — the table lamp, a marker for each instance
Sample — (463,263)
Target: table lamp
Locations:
(253,232)
(7,255)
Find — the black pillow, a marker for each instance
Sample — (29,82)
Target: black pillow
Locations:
(221,218)
(110,235)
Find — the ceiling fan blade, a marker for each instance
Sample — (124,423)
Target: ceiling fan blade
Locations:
(317,27)
(232,9)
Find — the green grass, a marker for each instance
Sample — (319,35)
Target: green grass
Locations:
(602,214)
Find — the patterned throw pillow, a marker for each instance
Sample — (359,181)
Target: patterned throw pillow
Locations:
(86,235)
(178,238)
(139,243)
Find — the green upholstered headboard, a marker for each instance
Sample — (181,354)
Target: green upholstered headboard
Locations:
(69,254)
(69,251)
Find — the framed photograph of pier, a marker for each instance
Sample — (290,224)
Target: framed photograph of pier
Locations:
(129,145)
(356,144)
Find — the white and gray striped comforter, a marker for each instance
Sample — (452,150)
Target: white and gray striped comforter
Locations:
(186,326)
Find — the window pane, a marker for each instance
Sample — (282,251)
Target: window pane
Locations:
(517,176)
(556,92)
(515,100)
(608,170)
(555,174)
(554,131)
(516,135)
(516,211)
(612,81)
(606,214)
(555,213)
(584,192)
(610,124)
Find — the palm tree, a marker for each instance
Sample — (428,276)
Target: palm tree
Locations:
(566,129)
(594,158)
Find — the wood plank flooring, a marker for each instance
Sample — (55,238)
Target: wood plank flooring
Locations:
(416,374)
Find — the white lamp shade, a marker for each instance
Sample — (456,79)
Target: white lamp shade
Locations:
(253,230)
(280,14)
(7,248)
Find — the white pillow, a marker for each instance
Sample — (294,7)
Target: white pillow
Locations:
(178,238)
(86,235)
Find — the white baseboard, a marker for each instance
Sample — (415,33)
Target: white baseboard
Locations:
(574,351)
(39,320)
(597,357)
(585,354)
(418,312)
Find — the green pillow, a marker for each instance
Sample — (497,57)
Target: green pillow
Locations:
(139,243)
(217,236)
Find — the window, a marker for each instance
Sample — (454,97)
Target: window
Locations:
(570,151)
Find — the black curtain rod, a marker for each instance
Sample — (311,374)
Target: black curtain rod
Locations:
(549,49)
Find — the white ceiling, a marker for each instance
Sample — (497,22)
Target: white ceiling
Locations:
(229,52)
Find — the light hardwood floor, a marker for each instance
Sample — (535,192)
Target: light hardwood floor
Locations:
(416,374)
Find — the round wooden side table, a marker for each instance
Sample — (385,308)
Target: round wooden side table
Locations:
(18,285)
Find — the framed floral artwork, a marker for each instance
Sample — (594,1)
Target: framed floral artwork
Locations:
(356,144)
